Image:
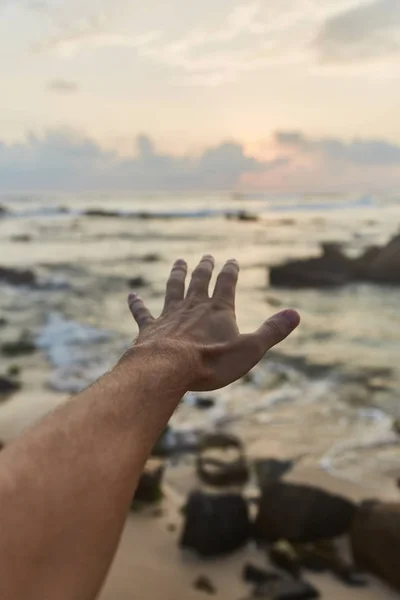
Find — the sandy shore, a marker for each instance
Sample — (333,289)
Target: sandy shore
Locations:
(149,564)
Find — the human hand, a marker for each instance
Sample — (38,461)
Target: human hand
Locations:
(200,332)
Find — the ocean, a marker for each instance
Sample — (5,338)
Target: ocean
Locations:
(329,393)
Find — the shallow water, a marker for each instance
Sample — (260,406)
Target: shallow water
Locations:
(82,324)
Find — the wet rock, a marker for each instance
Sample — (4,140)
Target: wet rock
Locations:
(8,386)
(287,589)
(215,524)
(17,277)
(284,556)
(137,282)
(24,345)
(375,540)
(204,402)
(151,257)
(301,513)
(215,465)
(385,268)
(204,584)
(271,469)
(99,212)
(258,576)
(149,489)
(23,237)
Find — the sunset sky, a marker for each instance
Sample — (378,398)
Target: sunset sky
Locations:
(267,94)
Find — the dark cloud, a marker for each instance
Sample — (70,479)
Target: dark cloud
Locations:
(64,160)
(367,32)
(358,151)
(62,86)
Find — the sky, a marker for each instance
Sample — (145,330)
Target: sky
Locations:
(274,95)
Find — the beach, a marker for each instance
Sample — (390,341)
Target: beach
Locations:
(329,394)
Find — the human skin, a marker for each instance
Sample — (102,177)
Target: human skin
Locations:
(67,483)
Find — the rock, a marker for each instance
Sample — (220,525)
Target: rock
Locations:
(99,212)
(241,215)
(149,487)
(23,237)
(3,322)
(215,524)
(284,556)
(24,345)
(8,386)
(333,268)
(17,277)
(3,211)
(14,371)
(137,282)
(215,465)
(204,584)
(204,402)
(375,540)
(258,576)
(274,302)
(324,556)
(271,469)
(396,425)
(301,513)
(385,268)
(151,257)
(286,589)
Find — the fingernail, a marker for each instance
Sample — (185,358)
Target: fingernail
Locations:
(292,317)
(132,296)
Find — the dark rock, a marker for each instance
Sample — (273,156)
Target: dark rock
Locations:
(274,302)
(217,471)
(171,527)
(284,556)
(241,215)
(248,378)
(3,322)
(151,257)
(204,584)
(385,268)
(24,345)
(3,211)
(301,513)
(324,556)
(99,212)
(8,386)
(334,268)
(271,469)
(204,402)
(287,589)
(149,487)
(137,282)
(375,540)
(17,277)
(14,371)
(258,576)
(23,237)
(215,524)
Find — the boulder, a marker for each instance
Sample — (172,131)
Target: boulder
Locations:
(375,540)
(137,282)
(17,277)
(385,268)
(215,465)
(215,524)
(149,489)
(8,386)
(301,513)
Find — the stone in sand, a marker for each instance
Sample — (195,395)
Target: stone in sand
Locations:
(8,386)
(22,346)
(375,540)
(215,524)
(301,513)
(218,471)
(149,489)
(137,282)
(17,277)
(204,584)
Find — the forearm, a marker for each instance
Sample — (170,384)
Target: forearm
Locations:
(65,486)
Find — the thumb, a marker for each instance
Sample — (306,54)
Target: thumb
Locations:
(271,332)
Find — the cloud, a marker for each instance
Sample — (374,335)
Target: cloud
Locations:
(368,152)
(64,160)
(367,32)
(62,86)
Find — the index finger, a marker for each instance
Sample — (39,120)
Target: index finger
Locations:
(225,287)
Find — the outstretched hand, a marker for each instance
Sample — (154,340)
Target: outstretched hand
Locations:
(199,330)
